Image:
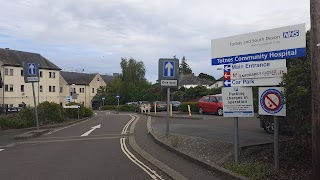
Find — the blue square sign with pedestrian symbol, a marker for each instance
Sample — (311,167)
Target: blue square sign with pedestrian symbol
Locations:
(168,70)
(32,68)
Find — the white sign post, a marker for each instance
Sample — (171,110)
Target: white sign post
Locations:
(237,102)
(279,43)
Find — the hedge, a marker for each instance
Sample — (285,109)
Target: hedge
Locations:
(50,112)
(109,107)
(193,106)
(83,111)
(130,108)
(23,119)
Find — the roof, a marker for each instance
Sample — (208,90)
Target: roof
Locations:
(16,58)
(190,79)
(108,79)
(77,78)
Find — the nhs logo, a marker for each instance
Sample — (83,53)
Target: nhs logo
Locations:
(290,34)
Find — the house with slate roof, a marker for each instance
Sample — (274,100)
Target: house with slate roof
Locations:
(54,85)
(80,87)
(191,80)
(15,91)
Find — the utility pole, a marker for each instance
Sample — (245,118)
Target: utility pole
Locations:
(315,85)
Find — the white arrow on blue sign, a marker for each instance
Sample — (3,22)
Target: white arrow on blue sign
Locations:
(31,69)
(118,96)
(168,70)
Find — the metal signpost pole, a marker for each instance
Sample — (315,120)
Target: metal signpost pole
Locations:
(276,142)
(236,140)
(35,105)
(118,106)
(168,111)
(78,112)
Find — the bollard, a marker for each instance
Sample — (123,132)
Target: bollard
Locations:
(189,110)
(149,108)
(155,108)
(171,110)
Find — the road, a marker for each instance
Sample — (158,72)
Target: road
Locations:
(93,149)
(65,154)
(217,128)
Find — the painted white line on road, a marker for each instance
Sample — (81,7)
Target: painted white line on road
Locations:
(125,128)
(1,150)
(153,174)
(92,129)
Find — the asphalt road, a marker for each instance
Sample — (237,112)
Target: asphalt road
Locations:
(65,154)
(217,128)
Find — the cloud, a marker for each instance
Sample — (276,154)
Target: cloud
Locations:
(95,34)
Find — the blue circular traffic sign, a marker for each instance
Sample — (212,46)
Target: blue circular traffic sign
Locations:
(271,101)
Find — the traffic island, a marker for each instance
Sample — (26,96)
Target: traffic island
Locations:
(31,134)
(208,154)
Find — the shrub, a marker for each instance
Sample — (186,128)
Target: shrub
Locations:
(50,112)
(193,106)
(252,170)
(109,107)
(130,108)
(88,112)
(73,113)
(23,119)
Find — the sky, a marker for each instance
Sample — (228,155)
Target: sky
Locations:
(95,34)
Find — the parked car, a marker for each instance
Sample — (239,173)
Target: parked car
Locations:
(266,122)
(161,106)
(211,104)
(175,105)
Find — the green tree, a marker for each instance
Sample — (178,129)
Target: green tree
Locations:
(207,77)
(184,67)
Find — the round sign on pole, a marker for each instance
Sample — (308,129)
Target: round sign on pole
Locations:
(118,96)
(271,102)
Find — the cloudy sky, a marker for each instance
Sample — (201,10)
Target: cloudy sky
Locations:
(94,34)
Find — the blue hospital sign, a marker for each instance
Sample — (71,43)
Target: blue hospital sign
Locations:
(168,69)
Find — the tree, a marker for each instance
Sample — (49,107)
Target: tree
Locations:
(184,67)
(133,85)
(207,77)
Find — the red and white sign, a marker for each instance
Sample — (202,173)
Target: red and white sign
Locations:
(271,102)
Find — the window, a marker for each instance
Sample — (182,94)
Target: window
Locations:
(52,75)
(206,99)
(21,72)
(22,88)
(8,72)
(212,99)
(61,90)
(92,90)
(81,90)
(52,89)
(40,88)
(40,73)
(8,87)
(98,79)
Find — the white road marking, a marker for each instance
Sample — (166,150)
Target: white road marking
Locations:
(1,150)
(92,129)
(108,113)
(153,174)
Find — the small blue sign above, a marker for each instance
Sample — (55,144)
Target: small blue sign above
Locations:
(31,68)
(69,98)
(118,96)
(103,98)
(168,69)
(227,83)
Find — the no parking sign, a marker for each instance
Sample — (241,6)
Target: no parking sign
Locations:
(271,102)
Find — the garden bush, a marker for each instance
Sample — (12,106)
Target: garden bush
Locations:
(193,107)
(50,112)
(23,119)
(128,108)
(109,107)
